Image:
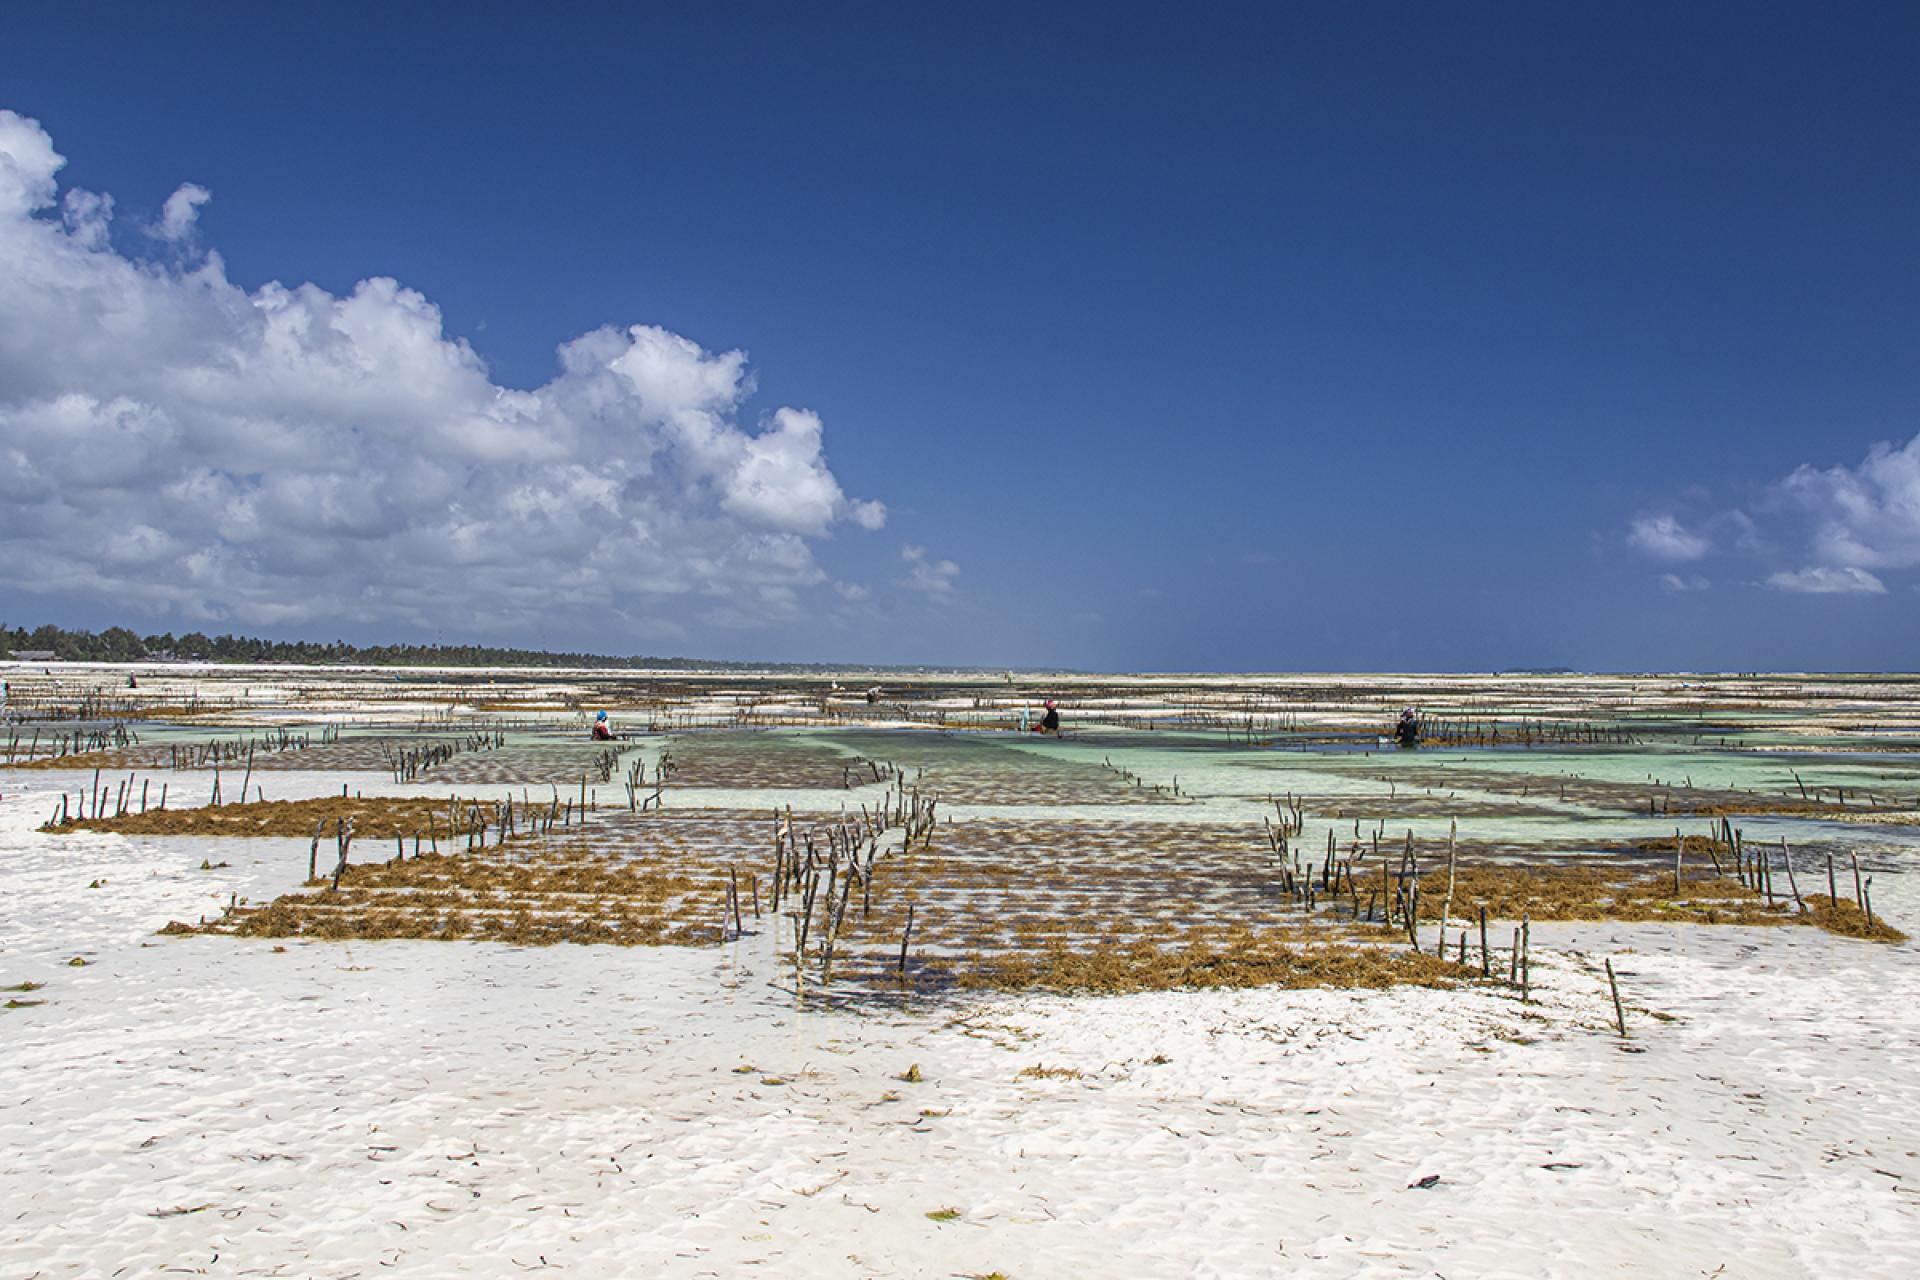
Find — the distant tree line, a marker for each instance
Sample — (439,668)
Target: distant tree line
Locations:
(117,644)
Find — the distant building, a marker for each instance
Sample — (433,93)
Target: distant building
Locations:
(33,655)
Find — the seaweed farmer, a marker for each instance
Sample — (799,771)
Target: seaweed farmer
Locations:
(1050,722)
(1407,732)
(602,731)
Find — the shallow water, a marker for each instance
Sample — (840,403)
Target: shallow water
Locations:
(1141,753)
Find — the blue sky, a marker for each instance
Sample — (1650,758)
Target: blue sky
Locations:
(1422,337)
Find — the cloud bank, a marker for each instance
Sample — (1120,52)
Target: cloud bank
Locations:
(1818,531)
(1864,517)
(287,457)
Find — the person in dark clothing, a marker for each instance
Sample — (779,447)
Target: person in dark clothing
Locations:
(1050,722)
(1408,730)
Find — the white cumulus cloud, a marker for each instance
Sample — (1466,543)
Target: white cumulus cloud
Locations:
(1676,582)
(934,577)
(181,211)
(1823,580)
(1665,538)
(1866,516)
(289,456)
(1833,530)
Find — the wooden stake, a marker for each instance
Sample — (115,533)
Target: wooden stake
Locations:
(1526,958)
(346,848)
(1793,882)
(806,914)
(1619,1013)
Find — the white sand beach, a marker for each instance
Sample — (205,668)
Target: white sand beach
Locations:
(222,1106)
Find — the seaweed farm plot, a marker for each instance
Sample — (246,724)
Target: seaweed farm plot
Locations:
(1641,884)
(506,894)
(995,884)
(1111,905)
(1363,797)
(325,749)
(877,902)
(755,761)
(119,747)
(658,880)
(1652,797)
(980,771)
(388,817)
(555,764)
(56,746)
(478,758)
(895,894)
(961,769)
(1073,904)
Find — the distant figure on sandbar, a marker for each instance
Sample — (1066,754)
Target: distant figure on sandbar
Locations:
(1050,722)
(602,731)
(1407,732)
